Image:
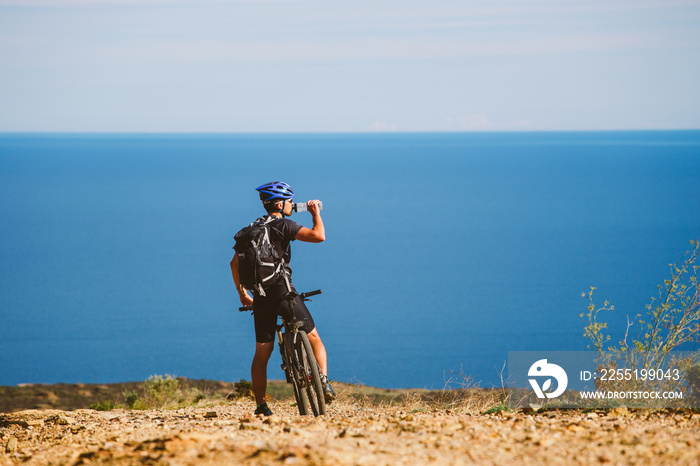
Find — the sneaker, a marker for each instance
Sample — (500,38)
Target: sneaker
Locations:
(328,392)
(264,410)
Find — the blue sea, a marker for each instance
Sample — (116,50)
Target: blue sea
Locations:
(444,251)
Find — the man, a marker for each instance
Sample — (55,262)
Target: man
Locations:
(277,201)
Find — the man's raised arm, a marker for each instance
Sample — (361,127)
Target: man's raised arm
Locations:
(317,233)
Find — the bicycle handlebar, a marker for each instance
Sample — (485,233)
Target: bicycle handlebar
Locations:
(310,293)
(302,295)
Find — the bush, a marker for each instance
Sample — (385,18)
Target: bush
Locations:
(669,322)
(159,392)
(242,389)
(103,405)
(131,398)
(161,388)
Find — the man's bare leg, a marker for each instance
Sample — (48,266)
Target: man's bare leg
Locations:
(319,351)
(258,370)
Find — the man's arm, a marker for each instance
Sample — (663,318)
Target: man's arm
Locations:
(317,233)
(245,298)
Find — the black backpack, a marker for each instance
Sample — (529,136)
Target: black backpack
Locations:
(260,264)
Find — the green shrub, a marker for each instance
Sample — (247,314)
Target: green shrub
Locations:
(159,392)
(161,388)
(243,389)
(103,405)
(164,392)
(131,399)
(669,322)
(498,408)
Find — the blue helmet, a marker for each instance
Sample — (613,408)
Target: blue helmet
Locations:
(275,190)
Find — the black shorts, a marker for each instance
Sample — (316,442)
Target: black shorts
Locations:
(267,308)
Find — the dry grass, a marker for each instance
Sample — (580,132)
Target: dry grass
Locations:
(168,395)
(468,401)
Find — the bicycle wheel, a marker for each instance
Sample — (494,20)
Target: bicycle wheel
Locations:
(312,377)
(295,377)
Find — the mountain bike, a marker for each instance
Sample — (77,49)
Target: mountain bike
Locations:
(298,360)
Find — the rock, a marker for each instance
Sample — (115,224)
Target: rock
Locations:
(61,420)
(575,427)
(11,445)
(76,429)
(619,411)
(210,415)
(274,419)
(506,414)
(545,442)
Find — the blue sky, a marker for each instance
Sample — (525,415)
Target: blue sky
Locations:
(356,66)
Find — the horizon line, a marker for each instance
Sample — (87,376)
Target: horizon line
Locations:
(367,132)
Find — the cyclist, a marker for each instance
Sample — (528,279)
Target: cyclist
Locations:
(277,201)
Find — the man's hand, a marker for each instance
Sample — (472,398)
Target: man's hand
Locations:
(246,299)
(313,207)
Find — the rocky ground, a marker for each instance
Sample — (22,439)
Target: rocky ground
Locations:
(353,432)
(229,434)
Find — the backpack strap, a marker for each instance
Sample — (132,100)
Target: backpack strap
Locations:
(280,270)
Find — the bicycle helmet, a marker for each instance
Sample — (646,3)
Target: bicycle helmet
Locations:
(275,190)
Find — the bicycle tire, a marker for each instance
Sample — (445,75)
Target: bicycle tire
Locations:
(296,379)
(310,370)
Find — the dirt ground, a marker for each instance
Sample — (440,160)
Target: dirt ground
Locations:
(351,433)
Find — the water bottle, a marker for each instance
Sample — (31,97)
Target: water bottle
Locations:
(302,207)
